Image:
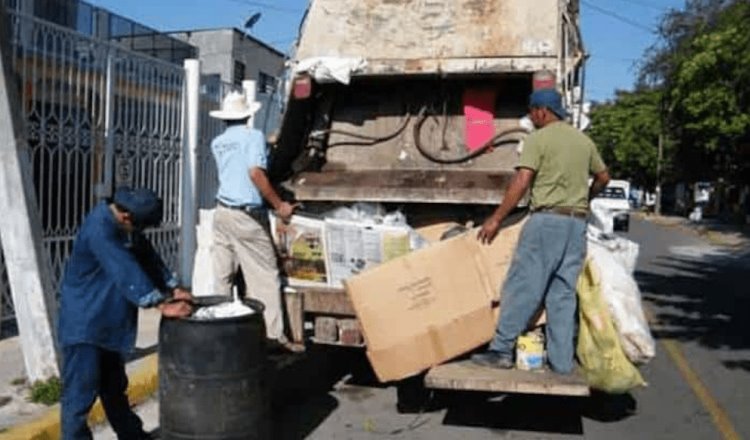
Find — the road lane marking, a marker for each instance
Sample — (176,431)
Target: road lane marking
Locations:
(718,415)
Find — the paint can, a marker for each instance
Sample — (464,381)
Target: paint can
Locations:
(530,353)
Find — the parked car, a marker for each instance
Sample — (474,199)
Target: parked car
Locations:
(611,207)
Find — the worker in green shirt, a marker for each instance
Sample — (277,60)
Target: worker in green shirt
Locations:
(555,165)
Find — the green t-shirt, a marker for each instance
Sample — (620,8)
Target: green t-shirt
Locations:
(563,159)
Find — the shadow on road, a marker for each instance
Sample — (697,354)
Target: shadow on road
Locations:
(303,399)
(302,386)
(703,299)
(535,413)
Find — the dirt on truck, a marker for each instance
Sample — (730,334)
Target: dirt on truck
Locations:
(415,105)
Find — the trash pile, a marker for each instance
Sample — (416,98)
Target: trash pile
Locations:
(326,249)
(230,309)
(613,331)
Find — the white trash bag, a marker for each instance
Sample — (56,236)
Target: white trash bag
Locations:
(615,258)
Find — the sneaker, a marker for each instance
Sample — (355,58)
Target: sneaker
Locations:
(493,359)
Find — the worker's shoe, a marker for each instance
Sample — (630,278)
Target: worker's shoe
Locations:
(493,359)
(276,346)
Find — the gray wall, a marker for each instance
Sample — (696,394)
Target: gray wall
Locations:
(219,48)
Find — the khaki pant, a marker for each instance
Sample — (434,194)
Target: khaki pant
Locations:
(240,239)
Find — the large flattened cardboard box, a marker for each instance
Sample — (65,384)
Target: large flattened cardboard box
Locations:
(432,305)
(421,309)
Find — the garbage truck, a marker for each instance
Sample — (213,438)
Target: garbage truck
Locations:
(417,105)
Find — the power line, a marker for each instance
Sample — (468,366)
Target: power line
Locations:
(617,16)
(646,5)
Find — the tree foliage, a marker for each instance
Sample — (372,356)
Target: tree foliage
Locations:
(709,91)
(700,70)
(627,134)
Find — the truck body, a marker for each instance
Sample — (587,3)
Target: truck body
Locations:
(357,141)
(390,123)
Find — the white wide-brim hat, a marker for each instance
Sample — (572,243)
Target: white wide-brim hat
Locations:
(235,106)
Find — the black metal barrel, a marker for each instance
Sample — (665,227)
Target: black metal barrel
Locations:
(212,377)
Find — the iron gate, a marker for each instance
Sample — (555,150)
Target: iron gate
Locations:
(96,116)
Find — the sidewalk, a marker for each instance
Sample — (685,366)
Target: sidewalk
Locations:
(716,232)
(15,409)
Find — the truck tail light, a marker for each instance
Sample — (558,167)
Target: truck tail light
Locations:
(302,87)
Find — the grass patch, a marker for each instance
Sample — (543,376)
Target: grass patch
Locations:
(46,392)
(18,381)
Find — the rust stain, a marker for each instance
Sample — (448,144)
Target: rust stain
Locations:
(413,65)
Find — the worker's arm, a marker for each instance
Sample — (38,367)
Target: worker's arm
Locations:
(601,179)
(153,263)
(121,265)
(518,186)
(260,180)
(598,168)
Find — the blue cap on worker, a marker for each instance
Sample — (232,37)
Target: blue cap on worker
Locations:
(548,98)
(142,203)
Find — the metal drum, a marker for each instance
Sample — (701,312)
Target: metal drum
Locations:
(212,377)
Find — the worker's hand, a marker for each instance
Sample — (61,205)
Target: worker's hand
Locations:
(182,293)
(489,230)
(176,309)
(285,210)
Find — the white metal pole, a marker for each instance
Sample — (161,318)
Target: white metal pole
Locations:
(189,200)
(21,231)
(251,92)
(109,132)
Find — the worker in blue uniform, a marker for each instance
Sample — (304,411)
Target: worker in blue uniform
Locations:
(112,271)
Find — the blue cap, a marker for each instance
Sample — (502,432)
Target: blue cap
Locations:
(143,204)
(548,98)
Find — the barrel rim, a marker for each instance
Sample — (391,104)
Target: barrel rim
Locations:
(212,300)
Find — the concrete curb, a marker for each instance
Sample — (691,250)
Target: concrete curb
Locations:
(143,383)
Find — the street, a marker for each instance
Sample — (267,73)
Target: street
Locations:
(699,386)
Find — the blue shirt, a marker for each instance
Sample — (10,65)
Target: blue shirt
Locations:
(237,151)
(108,275)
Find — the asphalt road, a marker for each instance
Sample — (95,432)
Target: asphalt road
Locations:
(699,382)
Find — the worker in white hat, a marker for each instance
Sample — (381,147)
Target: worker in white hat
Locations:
(240,237)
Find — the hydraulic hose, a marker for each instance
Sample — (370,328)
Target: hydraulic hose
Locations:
(496,141)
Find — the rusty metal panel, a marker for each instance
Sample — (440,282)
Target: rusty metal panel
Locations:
(401,153)
(423,31)
(458,187)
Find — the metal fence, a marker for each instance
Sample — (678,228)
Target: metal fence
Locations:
(96,116)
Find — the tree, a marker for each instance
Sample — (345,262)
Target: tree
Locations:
(626,130)
(702,63)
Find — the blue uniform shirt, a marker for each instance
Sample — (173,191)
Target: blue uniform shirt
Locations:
(108,275)
(236,151)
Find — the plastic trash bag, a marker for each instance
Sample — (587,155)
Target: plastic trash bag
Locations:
(600,355)
(614,259)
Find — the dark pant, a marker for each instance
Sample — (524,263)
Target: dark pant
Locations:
(88,372)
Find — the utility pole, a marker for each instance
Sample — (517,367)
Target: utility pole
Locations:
(657,208)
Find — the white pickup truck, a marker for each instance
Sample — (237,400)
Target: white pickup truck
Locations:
(611,208)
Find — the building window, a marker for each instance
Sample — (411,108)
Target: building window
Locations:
(266,83)
(239,73)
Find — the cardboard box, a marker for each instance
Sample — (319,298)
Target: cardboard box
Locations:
(432,305)
(301,246)
(354,247)
(433,233)
(496,257)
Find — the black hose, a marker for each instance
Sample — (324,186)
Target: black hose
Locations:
(369,140)
(496,141)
